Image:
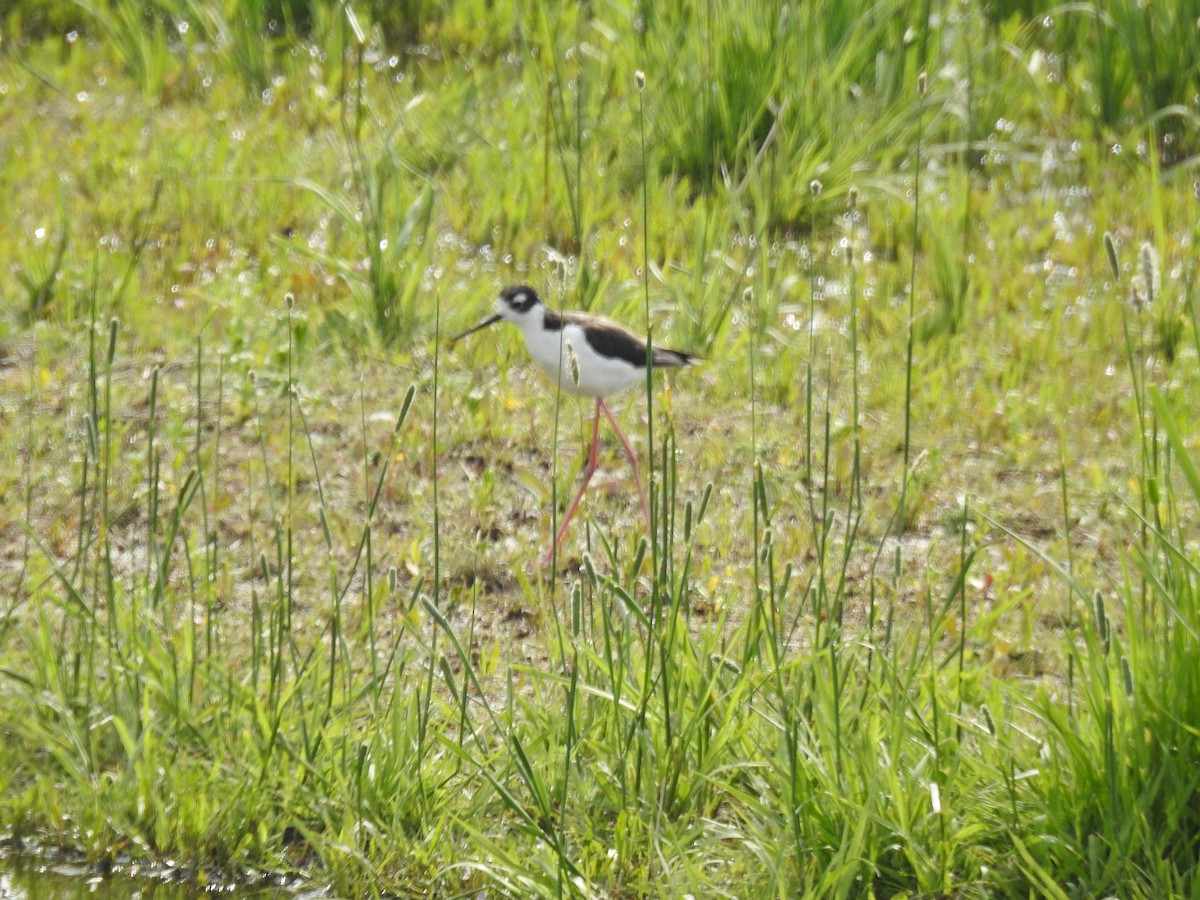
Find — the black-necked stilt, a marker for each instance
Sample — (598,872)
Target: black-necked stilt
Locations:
(589,357)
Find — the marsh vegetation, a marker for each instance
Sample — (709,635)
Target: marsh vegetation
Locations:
(917,614)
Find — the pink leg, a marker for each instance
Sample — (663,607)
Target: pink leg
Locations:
(637,479)
(588,472)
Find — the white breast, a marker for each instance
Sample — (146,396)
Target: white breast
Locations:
(585,372)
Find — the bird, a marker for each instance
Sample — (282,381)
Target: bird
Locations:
(586,356)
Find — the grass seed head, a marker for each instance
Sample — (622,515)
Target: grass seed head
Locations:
(1101,618)
(1149,271)
(573,362)
(1139,297)
(1110,248)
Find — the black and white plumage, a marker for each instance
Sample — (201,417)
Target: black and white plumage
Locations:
(588,356)
(598,357)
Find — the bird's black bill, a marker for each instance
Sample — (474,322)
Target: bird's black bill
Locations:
(490,320)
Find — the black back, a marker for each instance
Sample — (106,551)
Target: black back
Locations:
(618,345)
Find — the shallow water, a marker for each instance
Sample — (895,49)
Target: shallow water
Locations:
(36,879)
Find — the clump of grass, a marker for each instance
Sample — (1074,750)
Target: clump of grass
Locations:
(793,94)
(138,31)
(1131,68)
(389,208)
(41,284)
(1122,774)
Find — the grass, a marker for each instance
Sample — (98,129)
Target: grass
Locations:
(917,613)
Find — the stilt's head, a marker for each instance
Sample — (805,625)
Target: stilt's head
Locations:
(514,304)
